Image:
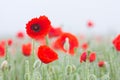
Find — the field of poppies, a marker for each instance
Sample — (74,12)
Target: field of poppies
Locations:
(45,52)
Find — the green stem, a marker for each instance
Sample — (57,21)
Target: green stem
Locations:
(87,70)
(33,54)
(15,72)
(5,75)
(47,40)
(27,72)
(6,51)
(5,72)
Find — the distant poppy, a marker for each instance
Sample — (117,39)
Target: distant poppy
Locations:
(2,50)
(27,49)
(101,63)
(116,43)
(73,42)
(46,54)
(55,32)
(90,23)
(38,27)
(20,35)
(9,42)
(83,57)
(92,56)
(3,42)
(84,46)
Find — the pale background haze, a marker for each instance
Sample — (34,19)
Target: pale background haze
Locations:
(72,14)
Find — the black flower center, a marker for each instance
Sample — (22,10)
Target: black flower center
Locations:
(35,27)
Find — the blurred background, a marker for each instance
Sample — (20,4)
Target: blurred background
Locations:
(71,15)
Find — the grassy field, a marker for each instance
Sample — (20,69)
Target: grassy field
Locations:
(16,66)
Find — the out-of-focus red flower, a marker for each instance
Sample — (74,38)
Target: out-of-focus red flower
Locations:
(101,63)
(73,42)
(2,50)
(84,46)
(116,43)
(82,37)
(92,57)
(83,57)
(46,54)
(27,49)
(9,42)
(3,42)
(90,24)
(20,35)
(38,27)
(55,32)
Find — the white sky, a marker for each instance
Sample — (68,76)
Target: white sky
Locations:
(73,14)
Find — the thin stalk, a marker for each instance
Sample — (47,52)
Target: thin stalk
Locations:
(87,70)
(15,71)
(5,71)
(33,54)
(27,71)
(47,40)
(6,51)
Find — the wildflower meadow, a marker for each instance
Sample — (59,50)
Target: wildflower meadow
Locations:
(46,52)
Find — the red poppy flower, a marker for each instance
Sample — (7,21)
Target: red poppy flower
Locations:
(3,42)
(101,63)
(26,49)
(20,35)
(73,42)
(10,42)
(90,24)
(84,46)
(83,57)
(46,54)
(55,32)
(2,50)
(92,57)
(116,43)
(38,27)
